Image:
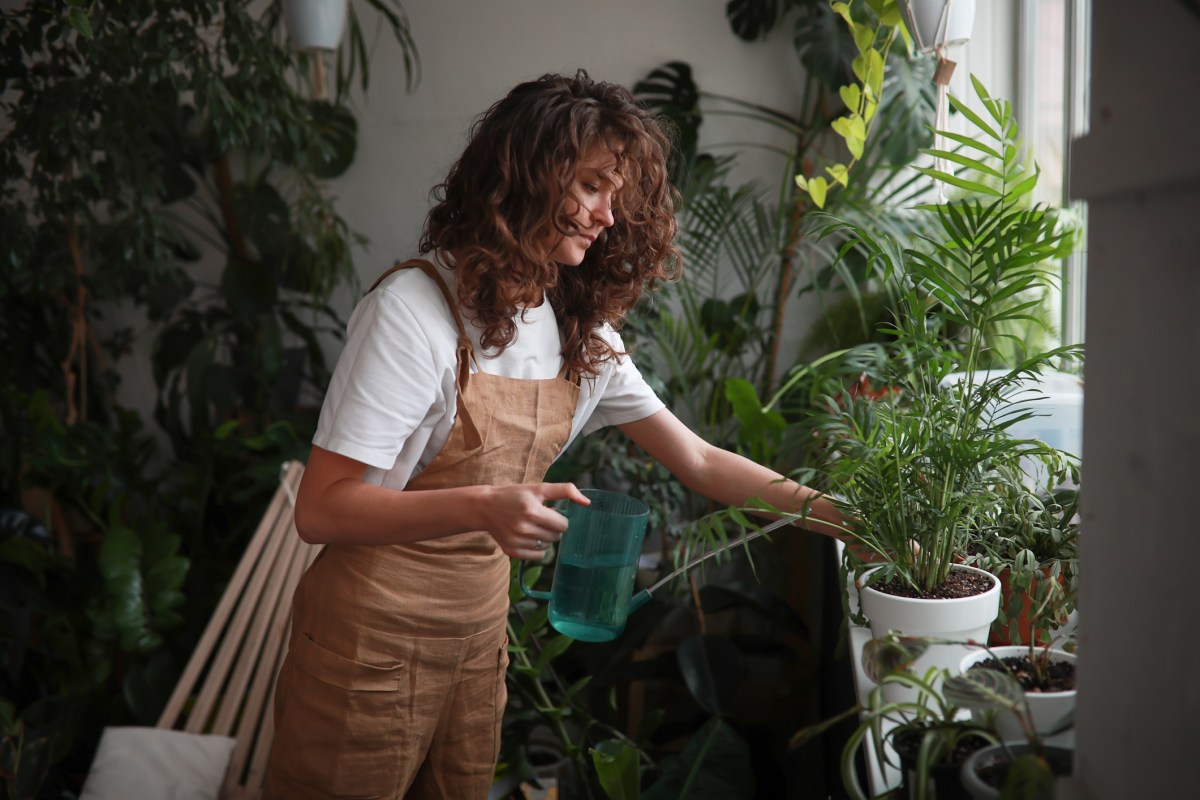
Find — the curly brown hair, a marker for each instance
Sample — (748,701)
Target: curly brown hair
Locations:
(511,188)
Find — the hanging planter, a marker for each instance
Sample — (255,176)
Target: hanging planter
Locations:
(938,24)
(315,24)
(935,27)
(316,27)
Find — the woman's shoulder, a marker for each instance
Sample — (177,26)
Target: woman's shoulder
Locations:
(411,298)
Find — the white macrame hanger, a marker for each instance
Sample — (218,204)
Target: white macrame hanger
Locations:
(945,69)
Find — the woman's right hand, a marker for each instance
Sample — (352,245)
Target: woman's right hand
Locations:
(518,518)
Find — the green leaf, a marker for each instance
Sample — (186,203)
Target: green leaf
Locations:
(885,655)
(712,669)
(1029,777)
(976,120)
(962,183)
(864,37)
(816,190)
(851,95)
(715,765)
(856,144)
(79,20)
(823,42)
(617,768)
(966,161)
(753,19)
(552,650)
(985,689)
(336,140)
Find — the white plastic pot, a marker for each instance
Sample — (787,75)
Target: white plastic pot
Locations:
(315,24)
(960,619)
(1060,760)
(1046,708)
(938,22)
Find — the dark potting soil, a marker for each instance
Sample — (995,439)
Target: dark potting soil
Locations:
(959,583)
(909,746)
(1059,675)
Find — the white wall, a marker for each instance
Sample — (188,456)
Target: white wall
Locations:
(474,51)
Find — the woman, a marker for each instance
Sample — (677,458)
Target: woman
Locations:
(463,377)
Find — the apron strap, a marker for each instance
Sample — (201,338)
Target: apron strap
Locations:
(465,352)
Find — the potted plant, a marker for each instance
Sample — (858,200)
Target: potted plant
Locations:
(1046,675)
(918,467)
(1009,769)
(927,737)
(1032,549)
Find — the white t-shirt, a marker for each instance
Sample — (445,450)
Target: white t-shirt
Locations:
(391,400)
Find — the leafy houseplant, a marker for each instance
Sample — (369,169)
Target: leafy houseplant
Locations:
(1032,548)
(1019,769)
(922,463)
(929,729)
(163,189)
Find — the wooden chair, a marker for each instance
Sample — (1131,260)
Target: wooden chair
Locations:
(229,683)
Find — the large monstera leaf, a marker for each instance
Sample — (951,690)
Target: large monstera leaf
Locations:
(754,19)
(824,45)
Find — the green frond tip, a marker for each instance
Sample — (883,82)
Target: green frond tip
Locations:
(962,183)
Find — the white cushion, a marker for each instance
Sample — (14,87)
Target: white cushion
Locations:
(156,763)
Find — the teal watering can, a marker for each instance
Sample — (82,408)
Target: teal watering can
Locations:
(592,591)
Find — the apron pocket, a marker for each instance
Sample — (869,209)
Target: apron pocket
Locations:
(340,729)
(346,673)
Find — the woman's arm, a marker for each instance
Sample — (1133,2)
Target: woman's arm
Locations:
(333,504)
(727,477)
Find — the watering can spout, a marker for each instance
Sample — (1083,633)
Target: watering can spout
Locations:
(638,600)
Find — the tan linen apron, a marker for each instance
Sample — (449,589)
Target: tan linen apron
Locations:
(393,685)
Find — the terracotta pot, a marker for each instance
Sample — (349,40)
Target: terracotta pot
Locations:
(1001,632)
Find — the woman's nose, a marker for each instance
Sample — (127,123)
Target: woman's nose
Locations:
(602,212)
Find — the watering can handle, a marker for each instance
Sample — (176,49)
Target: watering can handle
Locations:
(529,592)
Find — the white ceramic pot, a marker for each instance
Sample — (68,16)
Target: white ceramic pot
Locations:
(961,619)
(1046,708)
(924,21)
(315,24)
(1060,760)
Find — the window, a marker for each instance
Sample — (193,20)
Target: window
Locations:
(1052,109)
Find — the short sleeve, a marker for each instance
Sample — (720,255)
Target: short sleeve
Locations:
(387,379)
(624,396)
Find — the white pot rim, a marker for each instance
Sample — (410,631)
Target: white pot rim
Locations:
(1004,651)
(918,601)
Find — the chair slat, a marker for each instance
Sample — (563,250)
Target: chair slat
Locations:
(228,684)
(280,505)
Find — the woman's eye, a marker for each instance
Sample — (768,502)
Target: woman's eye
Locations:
(591,188)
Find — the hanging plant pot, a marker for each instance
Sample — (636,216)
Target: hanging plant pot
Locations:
(937,24)
(1047,708)
(960,618)
(315,24)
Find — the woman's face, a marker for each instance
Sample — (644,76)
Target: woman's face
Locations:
(590,205)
